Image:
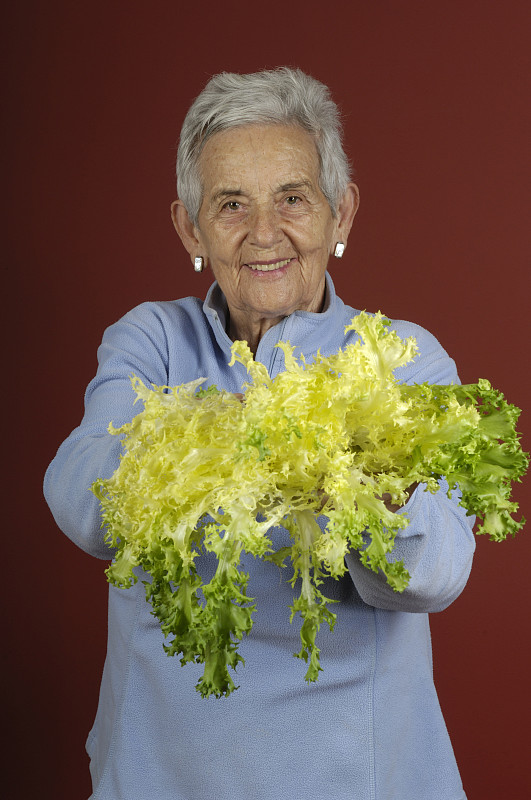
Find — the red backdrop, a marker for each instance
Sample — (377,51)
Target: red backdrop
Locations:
(436,100)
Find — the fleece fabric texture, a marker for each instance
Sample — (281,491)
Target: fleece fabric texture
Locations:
(371,728)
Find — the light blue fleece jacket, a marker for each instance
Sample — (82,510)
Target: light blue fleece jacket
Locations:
(371,728)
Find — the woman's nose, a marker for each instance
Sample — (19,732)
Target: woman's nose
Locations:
(265,229)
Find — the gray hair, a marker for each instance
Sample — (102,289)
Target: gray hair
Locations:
(282,96)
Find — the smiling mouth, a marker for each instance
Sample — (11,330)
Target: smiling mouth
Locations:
(269,267)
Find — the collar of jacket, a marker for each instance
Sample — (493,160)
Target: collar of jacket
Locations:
(307,330)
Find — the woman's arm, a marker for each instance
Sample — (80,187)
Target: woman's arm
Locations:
(438,545)
(134,345)
(437,549)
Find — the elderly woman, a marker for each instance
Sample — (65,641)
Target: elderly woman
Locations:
(265,199)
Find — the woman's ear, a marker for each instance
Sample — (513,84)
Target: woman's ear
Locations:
(185,228)
(346,212)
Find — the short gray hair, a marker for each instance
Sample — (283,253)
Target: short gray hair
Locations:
(282,96)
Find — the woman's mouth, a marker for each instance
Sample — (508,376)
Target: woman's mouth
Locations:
(269,266)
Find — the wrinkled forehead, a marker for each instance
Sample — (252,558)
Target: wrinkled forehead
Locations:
(252,156)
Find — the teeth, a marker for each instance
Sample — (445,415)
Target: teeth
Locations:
(270,267)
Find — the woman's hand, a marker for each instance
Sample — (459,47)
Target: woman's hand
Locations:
(386,498)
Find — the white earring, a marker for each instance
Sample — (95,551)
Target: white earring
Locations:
(198,264)
(340,249)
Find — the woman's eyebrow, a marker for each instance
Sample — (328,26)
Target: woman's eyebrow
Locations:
(293,186)
(225,193)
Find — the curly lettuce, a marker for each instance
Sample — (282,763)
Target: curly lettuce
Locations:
(201,471)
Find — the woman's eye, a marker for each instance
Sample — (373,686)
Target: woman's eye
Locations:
(292,200)
(232,205)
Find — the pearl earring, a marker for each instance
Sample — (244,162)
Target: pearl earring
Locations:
(198,264)
(340,249)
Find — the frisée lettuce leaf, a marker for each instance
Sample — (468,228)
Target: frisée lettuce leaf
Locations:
(202,471)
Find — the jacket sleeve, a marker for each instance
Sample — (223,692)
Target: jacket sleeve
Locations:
(134,345)
(437,546)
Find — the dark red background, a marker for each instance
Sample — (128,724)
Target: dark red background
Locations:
(436,99)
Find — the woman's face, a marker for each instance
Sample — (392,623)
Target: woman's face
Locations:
(265,227)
